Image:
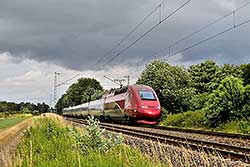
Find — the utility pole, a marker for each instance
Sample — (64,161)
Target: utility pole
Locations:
(119,81)
(128,78)
(55,87)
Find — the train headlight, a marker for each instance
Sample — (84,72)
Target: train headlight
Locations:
(144,106)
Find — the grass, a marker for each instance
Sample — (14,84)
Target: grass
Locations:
(8,122)
(236,126)
(189,119)
(196,120)
(50,142)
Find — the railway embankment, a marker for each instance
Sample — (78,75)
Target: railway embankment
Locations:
(186,148)
(52,141)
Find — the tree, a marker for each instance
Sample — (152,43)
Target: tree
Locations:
(85,90)
(202,76)
(246,73)
(171,84)
(42,108)
(225,71)
(226,102)
(246,109)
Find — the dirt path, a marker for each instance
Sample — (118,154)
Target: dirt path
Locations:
(9,140)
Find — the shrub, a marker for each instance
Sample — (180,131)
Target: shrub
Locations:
(93,138)
(236,126)
(198,101)
(189,119)
(226,102)
(246,109)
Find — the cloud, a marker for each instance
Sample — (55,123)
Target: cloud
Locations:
(75,34)
(29,80)
(5,57)
(38,38)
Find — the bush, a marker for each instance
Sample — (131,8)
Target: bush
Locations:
(198,101)
(189,119)
(237,126)
(93,138)
(246,109)
(226,102)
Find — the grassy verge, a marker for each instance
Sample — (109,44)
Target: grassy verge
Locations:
(196,120)
(8,122)
(189,119)
(51,142)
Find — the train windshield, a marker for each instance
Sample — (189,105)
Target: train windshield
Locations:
(147,95)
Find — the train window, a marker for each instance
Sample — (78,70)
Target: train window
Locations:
(147,95)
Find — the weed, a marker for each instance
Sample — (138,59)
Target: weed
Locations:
(50,143)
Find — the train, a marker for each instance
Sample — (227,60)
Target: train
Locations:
(136,104)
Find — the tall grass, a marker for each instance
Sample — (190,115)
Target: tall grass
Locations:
(236,126)
(196,120)
(52,143)
(189,119)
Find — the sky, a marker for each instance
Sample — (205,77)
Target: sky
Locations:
(73,37)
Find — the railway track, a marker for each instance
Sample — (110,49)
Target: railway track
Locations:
(231,151)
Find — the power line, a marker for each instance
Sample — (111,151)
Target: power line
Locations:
(200,30)
(130,32)
(65,82)
(209,38)
(146,33)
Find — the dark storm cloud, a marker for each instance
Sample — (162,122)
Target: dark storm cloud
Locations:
(77,33)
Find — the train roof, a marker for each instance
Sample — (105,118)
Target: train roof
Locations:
(111,94)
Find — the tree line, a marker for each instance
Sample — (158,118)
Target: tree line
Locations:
(221,91)
(23,107)
(84,90)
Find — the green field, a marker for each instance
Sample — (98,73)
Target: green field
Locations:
(8,122)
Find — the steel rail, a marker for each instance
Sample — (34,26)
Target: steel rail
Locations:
(205,132)
(225,150)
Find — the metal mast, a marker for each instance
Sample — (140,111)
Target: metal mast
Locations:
(128,78)
(55,87)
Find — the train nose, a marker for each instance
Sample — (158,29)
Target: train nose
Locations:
(151,111)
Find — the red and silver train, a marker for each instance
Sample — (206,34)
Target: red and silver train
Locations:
(137,104)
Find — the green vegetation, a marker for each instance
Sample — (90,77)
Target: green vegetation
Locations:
(172,85)
(236,126)
(205,95)
(52,143)
(8,122)
(226,102)
(196,120)
(10,108)
(85,90)
(189,119)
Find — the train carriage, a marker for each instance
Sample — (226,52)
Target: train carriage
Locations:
(135,103)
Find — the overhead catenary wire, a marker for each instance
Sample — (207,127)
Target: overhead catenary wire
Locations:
(146,33)
(130,32)
(66,81)
(204,27)
(198,31)
(209,38)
